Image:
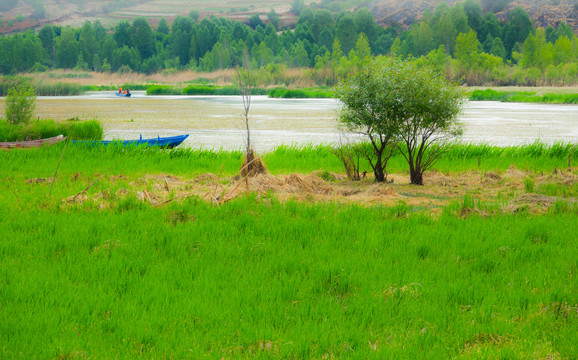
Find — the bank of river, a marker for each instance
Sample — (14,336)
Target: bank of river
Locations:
(215,121)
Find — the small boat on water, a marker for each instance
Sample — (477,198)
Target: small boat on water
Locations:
(122,94)
(32,143)
(168,142)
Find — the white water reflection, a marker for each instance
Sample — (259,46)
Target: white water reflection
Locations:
(215,121)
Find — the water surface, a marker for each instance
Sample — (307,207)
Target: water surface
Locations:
(217,122)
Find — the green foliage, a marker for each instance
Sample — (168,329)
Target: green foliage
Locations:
(20,103)
(300,93)
(523,97)
(391,101)
(41,129)
(163,90)
(217,43)
(194,89)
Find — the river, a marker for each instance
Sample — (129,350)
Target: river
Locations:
(216,121)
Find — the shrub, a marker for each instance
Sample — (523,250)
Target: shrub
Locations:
(20,103)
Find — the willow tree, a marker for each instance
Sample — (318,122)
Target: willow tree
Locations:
(398,103)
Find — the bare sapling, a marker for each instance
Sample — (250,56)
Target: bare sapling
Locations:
(252,165)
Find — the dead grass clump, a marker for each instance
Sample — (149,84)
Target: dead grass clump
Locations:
(381,190)
(439,178)
(492,176)
(208,178)
(79,199)
(309,184)
(252,165)
(267,182)
(318,184)
(513,172)
(534,203)
(487,339)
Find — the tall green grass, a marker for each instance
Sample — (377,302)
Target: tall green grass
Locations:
(300,93)
(163,90)
(256,278)
(40,129)
(197,89)
(42,88)
(523,97)
(281,160)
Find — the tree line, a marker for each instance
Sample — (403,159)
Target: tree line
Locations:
(461,41)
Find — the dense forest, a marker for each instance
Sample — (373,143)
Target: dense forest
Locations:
(462,41)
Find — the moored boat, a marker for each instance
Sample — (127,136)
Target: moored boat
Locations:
(164,142)
(32,143)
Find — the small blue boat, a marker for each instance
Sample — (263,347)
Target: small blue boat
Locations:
(164,142)
(122,94)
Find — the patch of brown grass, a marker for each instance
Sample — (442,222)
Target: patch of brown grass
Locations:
(439,190)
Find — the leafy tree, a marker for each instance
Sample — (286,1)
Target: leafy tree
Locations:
(99,31)
(423,40)
(490,27)
(473,10)
(273,19)
(180,39)
(517,29)
(126,57)
(565,30)
(122,34)
(362,48)
(345,32)
(143,37)
(255,21)
(88,38)
(20,103)
(163,27)
(551,34)
(367,98)
(365,23)
(391,100)
(459,18)
(67,49)
(306,17)
(108,47)
(445,32)
(563,50)
(323,25)
(47,36)
(467,48)
(498,48)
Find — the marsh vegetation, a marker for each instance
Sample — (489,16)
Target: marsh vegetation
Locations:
(165,256)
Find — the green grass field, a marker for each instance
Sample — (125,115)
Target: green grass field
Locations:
(257,277)
(523,97)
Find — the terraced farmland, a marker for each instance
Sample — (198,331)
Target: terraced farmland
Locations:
(236,9)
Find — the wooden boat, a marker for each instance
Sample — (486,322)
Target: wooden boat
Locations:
(122,94)
(32,143)
(164,142)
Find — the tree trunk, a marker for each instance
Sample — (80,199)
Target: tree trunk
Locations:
(378,168)
(416,177)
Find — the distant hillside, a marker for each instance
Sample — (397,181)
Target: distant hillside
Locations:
(19,15)
(543,12)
